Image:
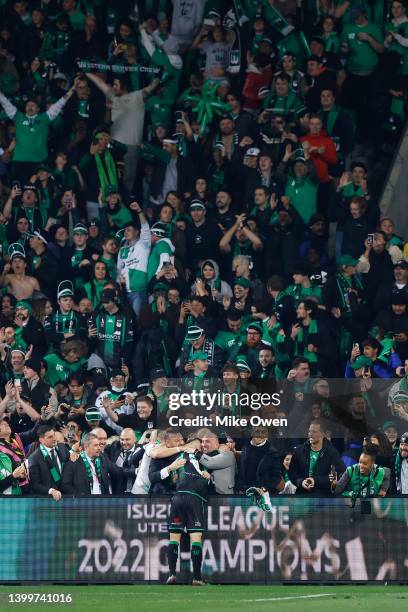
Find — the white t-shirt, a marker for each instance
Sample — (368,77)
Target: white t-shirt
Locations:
(142,482)
(128,118)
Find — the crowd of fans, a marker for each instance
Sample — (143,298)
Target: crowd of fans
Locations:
(190,198)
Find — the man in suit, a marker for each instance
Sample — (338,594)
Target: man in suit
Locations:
(90,474)
(47,464)
(125,453)
(219,461)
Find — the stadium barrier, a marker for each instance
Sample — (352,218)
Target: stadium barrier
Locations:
(123,539)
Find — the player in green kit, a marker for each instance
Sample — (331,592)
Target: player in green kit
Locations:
(188,512)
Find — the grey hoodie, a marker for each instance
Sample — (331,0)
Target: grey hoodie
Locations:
(223,289)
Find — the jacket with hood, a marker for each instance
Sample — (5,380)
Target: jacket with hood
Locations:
(216,283)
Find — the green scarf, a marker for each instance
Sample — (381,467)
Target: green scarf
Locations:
(344,283)
(331,119)
(358,488)
(56,476)
(6,469)
(97,463)
(302,338)
(111,179)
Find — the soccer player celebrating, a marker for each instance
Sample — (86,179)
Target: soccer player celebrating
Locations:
(187,512)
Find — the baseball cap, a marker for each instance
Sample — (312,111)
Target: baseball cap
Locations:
(93,414)
(402,263)
(199,355)
(255,327)
(242,282)
(157,373)
(65,289)
(16,250)
(194,332)
(347,260)
(253,152)
(80,228)
(197,204)
(39,234)
(159,229)
(30,187)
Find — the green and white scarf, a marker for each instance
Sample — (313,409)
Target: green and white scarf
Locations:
(97,464)
(56,476)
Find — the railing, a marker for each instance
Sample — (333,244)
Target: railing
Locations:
(124,539)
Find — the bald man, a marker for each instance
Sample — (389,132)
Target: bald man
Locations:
(125,453)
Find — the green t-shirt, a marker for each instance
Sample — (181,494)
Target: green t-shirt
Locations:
(314,456)
(59,369)
(362,58)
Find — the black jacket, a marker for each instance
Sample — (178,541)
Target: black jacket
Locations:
(75,478)
(33,333)
(158,485)
(41,480)
(299,468)
(113,452)
(185,176)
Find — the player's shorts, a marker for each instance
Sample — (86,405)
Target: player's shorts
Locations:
(187,512)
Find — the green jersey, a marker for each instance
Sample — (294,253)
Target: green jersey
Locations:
(303,196)
(31,137)
(60,370)
(133,261)
(362,59)
(114,335)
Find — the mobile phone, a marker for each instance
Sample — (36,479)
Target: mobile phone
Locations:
(17,382)
(179,116)
(356,345)
(122,397)
(370,238)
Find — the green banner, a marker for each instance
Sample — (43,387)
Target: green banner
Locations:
(111,539)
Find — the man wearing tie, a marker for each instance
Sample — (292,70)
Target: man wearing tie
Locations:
(90,473)
(47,464)
(125,453)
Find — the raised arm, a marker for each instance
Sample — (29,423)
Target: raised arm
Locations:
(224,245)
(55,109)
(100,83)
(8,107)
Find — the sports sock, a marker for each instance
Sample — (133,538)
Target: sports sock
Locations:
(197,559)
(172,555)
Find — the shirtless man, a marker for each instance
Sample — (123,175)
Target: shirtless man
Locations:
(15,279)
